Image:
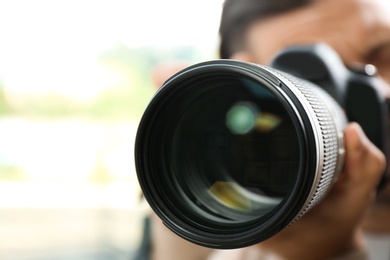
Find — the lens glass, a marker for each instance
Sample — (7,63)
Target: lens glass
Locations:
(233,147)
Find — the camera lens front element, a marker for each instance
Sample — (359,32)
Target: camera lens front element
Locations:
(230,153)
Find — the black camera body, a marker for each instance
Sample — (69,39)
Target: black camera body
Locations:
(355,88)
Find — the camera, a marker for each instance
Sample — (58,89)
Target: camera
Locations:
(230,153)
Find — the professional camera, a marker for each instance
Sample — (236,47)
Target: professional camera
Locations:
(230,153)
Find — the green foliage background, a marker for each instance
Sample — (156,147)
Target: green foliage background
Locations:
(124,103)
(115,103)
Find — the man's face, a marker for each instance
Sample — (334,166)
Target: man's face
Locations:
(359,31)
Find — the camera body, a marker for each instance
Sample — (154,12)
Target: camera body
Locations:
(356,88)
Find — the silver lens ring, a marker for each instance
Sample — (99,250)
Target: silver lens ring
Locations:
(328,121)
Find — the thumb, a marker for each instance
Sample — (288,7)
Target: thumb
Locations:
(364,162)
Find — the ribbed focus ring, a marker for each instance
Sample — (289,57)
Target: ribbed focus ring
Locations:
(327,120)
(329,137)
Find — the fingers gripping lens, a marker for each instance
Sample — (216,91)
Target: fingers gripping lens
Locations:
(230,153)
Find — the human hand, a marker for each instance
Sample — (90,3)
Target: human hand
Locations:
(333,227)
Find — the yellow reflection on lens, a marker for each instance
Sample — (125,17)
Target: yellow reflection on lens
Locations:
(229,195)
(266,122)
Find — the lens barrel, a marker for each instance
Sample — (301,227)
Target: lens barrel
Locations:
(230,153)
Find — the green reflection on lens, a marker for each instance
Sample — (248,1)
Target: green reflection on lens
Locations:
(241,118)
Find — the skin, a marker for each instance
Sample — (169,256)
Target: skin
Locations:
(362,34)
(334,227)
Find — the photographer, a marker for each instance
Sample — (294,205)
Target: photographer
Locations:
(256,30)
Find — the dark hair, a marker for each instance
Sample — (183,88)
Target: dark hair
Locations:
(238,15)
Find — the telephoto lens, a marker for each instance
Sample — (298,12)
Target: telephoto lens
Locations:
(230,153)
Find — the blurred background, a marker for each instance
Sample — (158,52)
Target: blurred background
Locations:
(75,77)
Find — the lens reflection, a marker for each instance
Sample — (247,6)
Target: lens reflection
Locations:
(241,118)
(235,149)
(233,196)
